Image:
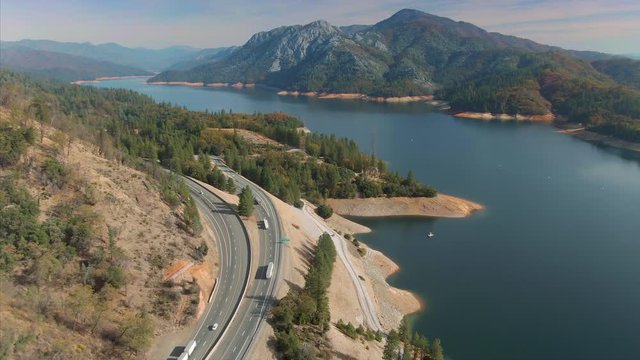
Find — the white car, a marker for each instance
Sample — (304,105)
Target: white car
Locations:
(213,327)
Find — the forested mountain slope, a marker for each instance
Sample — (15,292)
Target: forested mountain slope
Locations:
(85,238)
(414,53)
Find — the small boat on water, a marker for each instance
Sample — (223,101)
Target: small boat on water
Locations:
(430,234)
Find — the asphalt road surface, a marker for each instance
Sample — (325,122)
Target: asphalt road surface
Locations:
(233,244)
(254,308)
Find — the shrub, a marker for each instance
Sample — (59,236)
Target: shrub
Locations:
(324,211)
(115,276)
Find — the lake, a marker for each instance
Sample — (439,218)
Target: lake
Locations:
(551,268)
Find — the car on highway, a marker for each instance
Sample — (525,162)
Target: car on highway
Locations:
(213,327)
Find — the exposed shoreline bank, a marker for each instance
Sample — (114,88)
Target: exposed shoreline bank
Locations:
(504,117)
(600,139)
(440,104)
(105,78)
(358,96)
(440,206)
(314,94)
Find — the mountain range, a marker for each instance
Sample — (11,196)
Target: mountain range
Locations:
(147,59)
(409,53)
(415,53)
(61,66)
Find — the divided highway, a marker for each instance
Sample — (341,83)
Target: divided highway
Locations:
(235,265)
(254,308)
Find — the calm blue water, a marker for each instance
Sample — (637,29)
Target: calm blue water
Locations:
(550,270)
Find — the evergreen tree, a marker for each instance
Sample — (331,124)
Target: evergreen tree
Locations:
(245,206)
(230,186)
(436,350)
(390,351)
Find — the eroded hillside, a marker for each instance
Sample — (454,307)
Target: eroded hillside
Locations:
(96,257)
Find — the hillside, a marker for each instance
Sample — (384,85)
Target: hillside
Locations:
(622,70)
(87,247)
(414,53)
(147,59)
(61,66)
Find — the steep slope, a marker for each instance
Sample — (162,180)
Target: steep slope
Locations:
(622,70)
(414,53)
(316,57)
(86,247)
(148,59)
(61,66)
(406,54)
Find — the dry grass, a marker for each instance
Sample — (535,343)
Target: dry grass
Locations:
(147,230)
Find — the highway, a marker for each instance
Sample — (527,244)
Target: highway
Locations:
(254,308)
(234,265)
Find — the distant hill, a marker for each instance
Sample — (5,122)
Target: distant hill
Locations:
(148,59)
(622,70)
(415,53)
(203,57)
(61,66)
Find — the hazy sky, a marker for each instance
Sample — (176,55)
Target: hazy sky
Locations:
(602,25)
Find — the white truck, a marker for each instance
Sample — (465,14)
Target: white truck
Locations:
(266,224)
(269,272)
(191,345)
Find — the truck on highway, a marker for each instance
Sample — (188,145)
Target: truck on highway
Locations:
(269,272)
(266,224)
(191,345)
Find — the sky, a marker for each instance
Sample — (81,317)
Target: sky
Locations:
(611,26)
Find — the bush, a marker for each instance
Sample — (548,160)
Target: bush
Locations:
(324,211)
(54,172)
(115,276)
(202,251)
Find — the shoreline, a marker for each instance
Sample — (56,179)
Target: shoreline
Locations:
(358,96)
(105,78)
(314,94)
(599,139)
(442,105)
(440,206)
(504,117)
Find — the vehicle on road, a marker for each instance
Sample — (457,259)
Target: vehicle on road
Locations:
(213,327)
(269,272)
(191,345)
(266,224)
(255,201)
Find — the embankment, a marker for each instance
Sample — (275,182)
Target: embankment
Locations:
(505,117)
(439,206)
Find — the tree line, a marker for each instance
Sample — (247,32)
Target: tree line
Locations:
(129,126)
(302,317)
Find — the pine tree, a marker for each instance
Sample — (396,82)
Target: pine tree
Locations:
(245,206)
(390,351)
(230,186)
(436,350)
